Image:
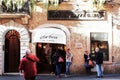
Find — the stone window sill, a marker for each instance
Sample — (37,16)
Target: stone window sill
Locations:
(24,17)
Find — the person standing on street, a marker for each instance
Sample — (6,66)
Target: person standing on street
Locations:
(99,62)
(56,62)
(87,57)
(28,66)
(69,56)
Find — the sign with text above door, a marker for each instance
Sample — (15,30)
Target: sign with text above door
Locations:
(49,35)
(76,15)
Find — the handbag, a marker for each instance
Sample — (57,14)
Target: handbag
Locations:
(91,64)
(60,59)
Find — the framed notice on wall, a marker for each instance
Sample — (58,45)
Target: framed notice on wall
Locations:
(78,45)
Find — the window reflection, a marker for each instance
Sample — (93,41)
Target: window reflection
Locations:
(100,40)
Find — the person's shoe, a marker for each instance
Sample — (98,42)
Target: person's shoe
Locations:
(66,76)
(52,72)
(101,76)
(57,76)
(98,77)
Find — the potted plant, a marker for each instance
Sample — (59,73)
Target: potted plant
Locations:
(13,6)
(98,4)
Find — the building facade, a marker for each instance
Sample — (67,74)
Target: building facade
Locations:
(69,27)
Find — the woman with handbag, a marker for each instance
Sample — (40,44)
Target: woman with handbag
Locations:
(56,62)
(88,61)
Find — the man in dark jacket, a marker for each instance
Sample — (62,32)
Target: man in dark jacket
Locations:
(99,62)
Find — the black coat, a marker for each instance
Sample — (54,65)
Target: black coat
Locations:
(86,57)
(99,57)
(55,57)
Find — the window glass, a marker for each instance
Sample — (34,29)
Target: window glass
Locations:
(100,40)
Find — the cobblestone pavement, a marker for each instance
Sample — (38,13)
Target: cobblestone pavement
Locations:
(72,77)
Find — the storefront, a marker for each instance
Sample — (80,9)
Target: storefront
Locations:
(46,38)
(77,29)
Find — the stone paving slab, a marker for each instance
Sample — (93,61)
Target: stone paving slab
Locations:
(72,77)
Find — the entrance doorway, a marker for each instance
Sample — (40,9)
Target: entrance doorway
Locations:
(44,53)
(12,51)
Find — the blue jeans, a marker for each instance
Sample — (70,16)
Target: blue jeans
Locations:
(99,70)
(67,68)
(58,69)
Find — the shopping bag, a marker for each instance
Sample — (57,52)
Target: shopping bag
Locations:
(60,59)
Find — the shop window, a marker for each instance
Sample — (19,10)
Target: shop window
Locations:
(99,40)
